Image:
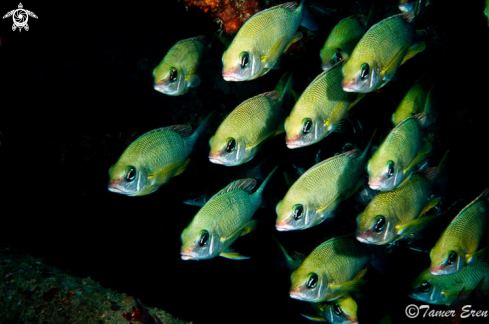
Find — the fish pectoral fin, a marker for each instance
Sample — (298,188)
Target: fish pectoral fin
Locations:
(481,255)
(431,204)
(231,254)
(315,318)
(182,167)
(423,153)
(415,226)
(360,274)
(248,227)
(194,81)
(242,230)
(413,50)
(260,140)
(280,129)
(388,72)
(297,37)
(339,290)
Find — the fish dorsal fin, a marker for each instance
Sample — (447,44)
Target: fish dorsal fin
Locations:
(200,38)
(353,154)
(274,95)
(408,16)
(361,18)
(182,130)
(292,6)
(243,184)
(430,174)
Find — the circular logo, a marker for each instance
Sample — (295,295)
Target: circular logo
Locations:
(412,311)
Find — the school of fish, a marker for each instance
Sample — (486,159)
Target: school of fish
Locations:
(358,57)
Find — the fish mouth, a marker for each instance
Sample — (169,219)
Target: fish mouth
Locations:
(229,76)
(216,160)
(437,271)
(295,295)
(363,239)
(283,227)
(292,145)
(115,189)
(375,186)
(187,256)
(348,86)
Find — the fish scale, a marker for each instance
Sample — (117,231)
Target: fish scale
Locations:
(451,285)
(253,119)
(193,49)
(401,145)
(402,204)
(277,23)
(380,37)
(467,228)
(340,258)
(161,149)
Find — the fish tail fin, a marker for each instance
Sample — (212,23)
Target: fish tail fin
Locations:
(438,176)
(264,183)
(284,85)
(203,126)
(367,148)
(294,261)
(308,20)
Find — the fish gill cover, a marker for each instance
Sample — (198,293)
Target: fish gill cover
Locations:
(77,89)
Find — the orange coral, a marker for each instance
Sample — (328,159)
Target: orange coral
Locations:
(230,14)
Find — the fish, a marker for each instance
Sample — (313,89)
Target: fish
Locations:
(399,213)
(444,290)
(178,71)
(333,269)
(247,127)
(153,158)
(458,244)
(418,99)
(403,148)
(378,54)
(415,6)
(262,40)
(341,311)
(224,218)
(342,40)
(486,12)
(317,193)
(317,112)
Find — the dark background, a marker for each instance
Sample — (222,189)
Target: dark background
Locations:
(76,89)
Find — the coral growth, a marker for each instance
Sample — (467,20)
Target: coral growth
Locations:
(229,14)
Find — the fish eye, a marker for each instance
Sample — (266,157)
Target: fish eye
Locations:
(313,281)
(204,237)
(245,59)
(364,72)
(338,55)
(306,125)
(173,74)
(452,256)
(337,309)
(390,169)
(298,209)
(425,286)
(130,173)
(231,145)
(379,224)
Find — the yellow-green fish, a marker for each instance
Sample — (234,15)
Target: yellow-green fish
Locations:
(178,71)
(318,192)
(224,218)
(262,39)
(397,214)
(400,151)
(319,110)
(457,245)
(152,159)
(417,100)
(342,40)
(334,268)
(341,311)
(444,290)
(242,133)
(378,54)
